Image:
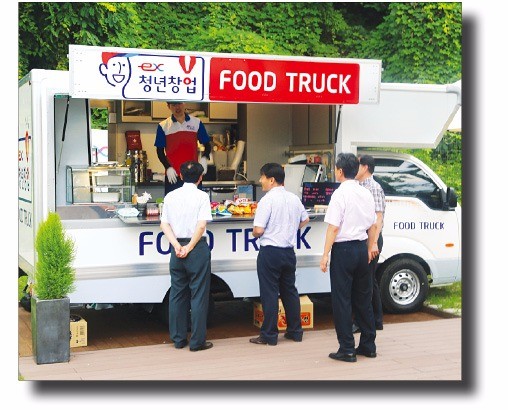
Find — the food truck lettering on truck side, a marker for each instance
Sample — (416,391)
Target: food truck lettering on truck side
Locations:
(125,260)
(239,240)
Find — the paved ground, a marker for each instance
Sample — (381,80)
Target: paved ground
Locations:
(129,325)
(429,350)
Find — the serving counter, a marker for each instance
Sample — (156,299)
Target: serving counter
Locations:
(119,256)
(155,220)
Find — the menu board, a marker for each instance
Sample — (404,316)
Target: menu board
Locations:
(317,193)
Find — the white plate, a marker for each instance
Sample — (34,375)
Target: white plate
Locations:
(128,212)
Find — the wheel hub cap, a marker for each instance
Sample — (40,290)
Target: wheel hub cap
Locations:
(404,287)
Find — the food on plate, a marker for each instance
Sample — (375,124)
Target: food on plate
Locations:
(233,208)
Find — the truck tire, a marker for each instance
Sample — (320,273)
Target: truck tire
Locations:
(403,286)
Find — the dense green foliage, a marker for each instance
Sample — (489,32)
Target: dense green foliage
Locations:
(54,274)
(99,118)
(445,160)
(417,42)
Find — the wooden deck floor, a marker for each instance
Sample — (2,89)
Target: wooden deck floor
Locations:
(429,350)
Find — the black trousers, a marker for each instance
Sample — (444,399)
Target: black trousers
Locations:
(377,306)
(276,272)
(190,289)
(351,292)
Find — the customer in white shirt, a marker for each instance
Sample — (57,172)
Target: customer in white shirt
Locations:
(185,213)
(350,214)
(279,215)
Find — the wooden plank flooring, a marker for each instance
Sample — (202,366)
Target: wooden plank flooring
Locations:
(429,350)
(129,326)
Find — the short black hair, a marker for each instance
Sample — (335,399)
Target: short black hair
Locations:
(191,171)
(369,161)
(273,170)
(349,164)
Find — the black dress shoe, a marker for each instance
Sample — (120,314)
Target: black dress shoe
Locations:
(379,327)
(181,345)
(205,346)
(365,353)
(351,358)
(260,341)
(294,338)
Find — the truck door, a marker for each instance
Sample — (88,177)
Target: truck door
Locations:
(419,230)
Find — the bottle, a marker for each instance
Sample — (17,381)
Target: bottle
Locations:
(136,167)
(128,159)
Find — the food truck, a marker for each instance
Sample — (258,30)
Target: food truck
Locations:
(298,111)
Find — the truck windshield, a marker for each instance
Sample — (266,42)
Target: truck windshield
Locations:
(402,178)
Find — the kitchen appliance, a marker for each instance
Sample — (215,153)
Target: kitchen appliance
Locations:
(297,174)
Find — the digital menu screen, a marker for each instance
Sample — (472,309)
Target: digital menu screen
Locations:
(317,193)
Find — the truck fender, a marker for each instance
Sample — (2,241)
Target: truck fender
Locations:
(398,246)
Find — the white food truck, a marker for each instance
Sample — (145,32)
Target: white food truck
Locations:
(123,259)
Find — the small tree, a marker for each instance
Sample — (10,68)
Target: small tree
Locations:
(54,274)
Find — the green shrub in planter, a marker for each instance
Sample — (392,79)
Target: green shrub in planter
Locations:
(53,280)
(54,273)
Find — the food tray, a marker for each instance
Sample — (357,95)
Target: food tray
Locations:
(109,180)
(106,196)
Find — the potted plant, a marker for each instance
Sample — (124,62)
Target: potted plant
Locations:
(53,280)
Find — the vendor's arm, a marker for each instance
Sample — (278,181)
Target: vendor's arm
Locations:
(204,139)
(161,154)
(160,145)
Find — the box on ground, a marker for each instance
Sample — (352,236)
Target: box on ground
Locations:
(306,314)
(78,331)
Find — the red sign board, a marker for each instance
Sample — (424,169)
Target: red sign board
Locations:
(284,81)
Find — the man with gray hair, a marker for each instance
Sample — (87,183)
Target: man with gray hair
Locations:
(364,176)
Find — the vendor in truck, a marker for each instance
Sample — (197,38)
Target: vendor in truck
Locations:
(176,142)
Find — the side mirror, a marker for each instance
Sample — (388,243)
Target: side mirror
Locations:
(451,199)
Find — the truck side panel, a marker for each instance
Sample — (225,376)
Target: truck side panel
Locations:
(26,221)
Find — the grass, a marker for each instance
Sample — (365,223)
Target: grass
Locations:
(446,297)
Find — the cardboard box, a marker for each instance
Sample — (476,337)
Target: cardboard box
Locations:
(306,313)
(79,335)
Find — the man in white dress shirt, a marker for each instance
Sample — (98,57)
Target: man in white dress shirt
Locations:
(350,214)
(279,215)
(185,213)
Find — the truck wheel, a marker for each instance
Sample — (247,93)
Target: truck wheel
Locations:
(403,286)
